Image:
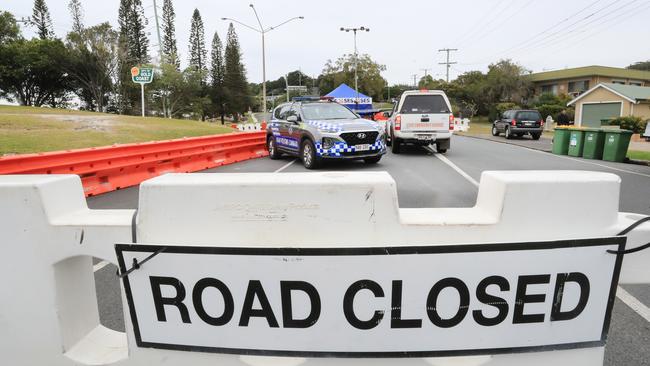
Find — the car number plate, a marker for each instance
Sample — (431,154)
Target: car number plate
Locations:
(364,147)
(424,137)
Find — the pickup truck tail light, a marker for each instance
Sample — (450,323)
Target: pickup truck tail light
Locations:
(398,123)
(451,122)
(513,122)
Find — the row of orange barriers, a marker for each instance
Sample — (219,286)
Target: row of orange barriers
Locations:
(108,168)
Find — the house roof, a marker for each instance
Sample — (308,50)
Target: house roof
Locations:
(614,72)
(632,93)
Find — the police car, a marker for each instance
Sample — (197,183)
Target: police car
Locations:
(315,129)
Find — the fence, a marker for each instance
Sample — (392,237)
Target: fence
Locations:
(104,169)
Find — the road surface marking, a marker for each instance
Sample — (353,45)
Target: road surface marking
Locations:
(100,265)
(285,166)
(456,168)
(570,158)
(633,303)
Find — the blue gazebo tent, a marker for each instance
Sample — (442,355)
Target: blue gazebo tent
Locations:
(345,95)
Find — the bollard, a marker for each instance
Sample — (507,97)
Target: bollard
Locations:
(48,312)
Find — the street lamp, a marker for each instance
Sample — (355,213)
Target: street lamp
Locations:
(262,31)
(356,77)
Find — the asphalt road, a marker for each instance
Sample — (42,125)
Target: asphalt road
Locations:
(425,180)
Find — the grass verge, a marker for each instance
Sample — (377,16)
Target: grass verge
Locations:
(638,155)
(31,130)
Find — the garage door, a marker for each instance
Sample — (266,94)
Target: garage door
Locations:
(593,113)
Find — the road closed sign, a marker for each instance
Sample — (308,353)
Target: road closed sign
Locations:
(419,301)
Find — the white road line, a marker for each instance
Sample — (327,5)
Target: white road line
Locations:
(570,158)
(100,265)
(633,303)
(285,166)
(456,168)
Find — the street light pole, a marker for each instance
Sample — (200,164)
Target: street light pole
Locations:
(263,32)
(356,61)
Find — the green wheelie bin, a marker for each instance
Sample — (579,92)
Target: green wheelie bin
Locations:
(561,141)
(616,144)
(594,143)
(576,141)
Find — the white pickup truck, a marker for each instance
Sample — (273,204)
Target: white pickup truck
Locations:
(421,117)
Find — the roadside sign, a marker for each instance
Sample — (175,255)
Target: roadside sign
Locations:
(142,75)
(421,301)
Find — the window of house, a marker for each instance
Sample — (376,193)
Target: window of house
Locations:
(636,82)
(618,81)
(552,89)
(578,86)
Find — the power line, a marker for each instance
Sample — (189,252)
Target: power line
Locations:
(448,63)
(484,18)
(498,25)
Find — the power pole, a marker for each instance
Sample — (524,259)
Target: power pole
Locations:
(448,50)
(160,52)
(415,85)
(425,72)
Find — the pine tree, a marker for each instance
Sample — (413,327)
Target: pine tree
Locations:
(217,72)
(138,41)
(77,13)
(236,86)
(198,53)
(41,20)
(170,52)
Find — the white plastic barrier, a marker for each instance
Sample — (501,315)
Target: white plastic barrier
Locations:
(249,127)
(48,309)
(461,124)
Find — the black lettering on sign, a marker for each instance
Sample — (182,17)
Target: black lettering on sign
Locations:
(522,298)
(432,300)
(497,302)
(288,321)
(255,289)
(562,279)
(159,301)
(396,320)
(228,303)
(348,304)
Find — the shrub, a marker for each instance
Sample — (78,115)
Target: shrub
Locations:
(632,123)
(499,108)
(550,110)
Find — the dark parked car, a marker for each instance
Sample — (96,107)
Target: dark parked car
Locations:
(518,123)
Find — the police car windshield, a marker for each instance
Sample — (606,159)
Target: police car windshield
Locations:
(320,111)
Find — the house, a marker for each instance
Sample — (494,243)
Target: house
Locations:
(608,100)
(576,81)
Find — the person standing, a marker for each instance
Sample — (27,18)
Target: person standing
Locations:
(563,118)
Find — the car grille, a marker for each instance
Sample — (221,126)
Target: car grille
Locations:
(352,138)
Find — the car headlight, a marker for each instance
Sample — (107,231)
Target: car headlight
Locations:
(329,142)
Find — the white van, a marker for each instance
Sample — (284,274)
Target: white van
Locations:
(421,117)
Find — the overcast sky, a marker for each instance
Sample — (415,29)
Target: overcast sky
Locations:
(404,35)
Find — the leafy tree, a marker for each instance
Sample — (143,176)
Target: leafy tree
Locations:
(198,53)
(41,20)
(77,13)
(181,90)
(236,86)
(642,65)
(93,63)
(170,51)
(506,82)
(32,72)
(340,71)
(9,30)
(217,74)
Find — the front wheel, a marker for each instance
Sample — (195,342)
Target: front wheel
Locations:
(274,154)
(372,160)
(308,155)
(495,130)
